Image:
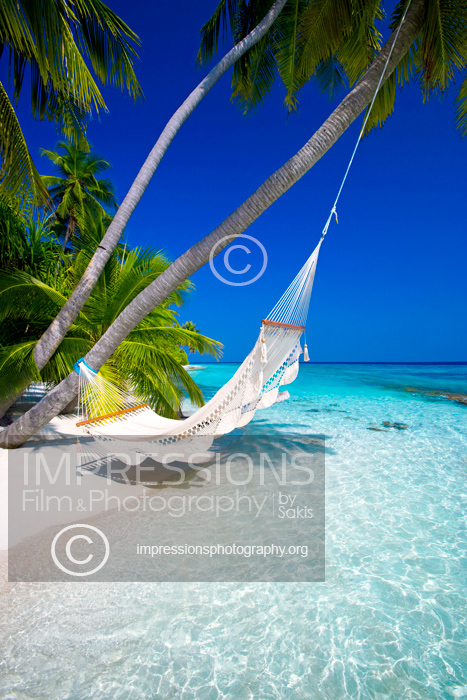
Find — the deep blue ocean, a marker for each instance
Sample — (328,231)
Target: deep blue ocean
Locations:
(390,621)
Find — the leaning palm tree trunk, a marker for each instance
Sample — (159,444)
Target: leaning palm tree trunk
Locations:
(62,323)
(60,326)
(340,119)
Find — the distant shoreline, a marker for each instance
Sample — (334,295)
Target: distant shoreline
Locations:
(331,362)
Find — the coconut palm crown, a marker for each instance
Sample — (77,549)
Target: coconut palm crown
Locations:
(333,43)
(75,190)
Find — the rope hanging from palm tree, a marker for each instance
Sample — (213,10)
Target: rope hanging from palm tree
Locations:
(272,363)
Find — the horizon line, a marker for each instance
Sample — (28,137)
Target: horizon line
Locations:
(348,362)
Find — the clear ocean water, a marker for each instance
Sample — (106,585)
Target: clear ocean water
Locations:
(389,622)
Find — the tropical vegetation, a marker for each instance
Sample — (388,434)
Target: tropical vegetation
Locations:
(66,45)
(150,362)
(57,330)
(75,191)
(339,45)
(39,272)
(333,44)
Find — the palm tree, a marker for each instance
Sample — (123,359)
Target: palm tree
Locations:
(75,191)
(27,244)
(54,38)
(53,336)
(190,326)
(149,361)
(419,25)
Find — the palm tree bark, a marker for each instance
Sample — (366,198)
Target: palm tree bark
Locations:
(5,406)
(60,326)
(70,232)
(198,255)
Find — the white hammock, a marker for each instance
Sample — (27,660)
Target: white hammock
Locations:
(273,362)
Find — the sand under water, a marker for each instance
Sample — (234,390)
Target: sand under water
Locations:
(389,621)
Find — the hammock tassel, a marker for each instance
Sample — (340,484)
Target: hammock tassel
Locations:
(264,350)
(306,356)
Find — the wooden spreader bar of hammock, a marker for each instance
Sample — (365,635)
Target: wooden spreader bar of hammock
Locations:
(112,415)
(283,325)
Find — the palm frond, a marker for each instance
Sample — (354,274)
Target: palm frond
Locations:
(362,41)
(160,368)
(290,50)
(61,363)
(180,336)
(385,100)
(254,74)
(327,40)
(23,295)
(461,108)
(217,27)
(54,38)
(330,75)
(107,40)
(442,46)
(17,369)
(19,179)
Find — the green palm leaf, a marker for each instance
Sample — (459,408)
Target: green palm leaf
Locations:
(17,368)
(217,27)
(86,28)
(461,108)
(181,336)
(254,75)
(107,41)
(148,364)
(385,100)
(149,368)
(290,51)
(441,52)
(19,179)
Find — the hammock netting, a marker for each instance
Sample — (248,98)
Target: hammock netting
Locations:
(272,363)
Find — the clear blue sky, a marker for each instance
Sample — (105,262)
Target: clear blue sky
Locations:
(391,279)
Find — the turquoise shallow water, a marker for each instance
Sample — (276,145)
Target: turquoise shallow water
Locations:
(389,622)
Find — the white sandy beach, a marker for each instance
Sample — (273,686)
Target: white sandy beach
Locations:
(59,426)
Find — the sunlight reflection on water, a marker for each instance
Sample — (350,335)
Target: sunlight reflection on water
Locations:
(389,622)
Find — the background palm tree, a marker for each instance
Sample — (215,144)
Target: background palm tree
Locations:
(27,244)
(149,362)
(190,326)
(54,38)
(75,191)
